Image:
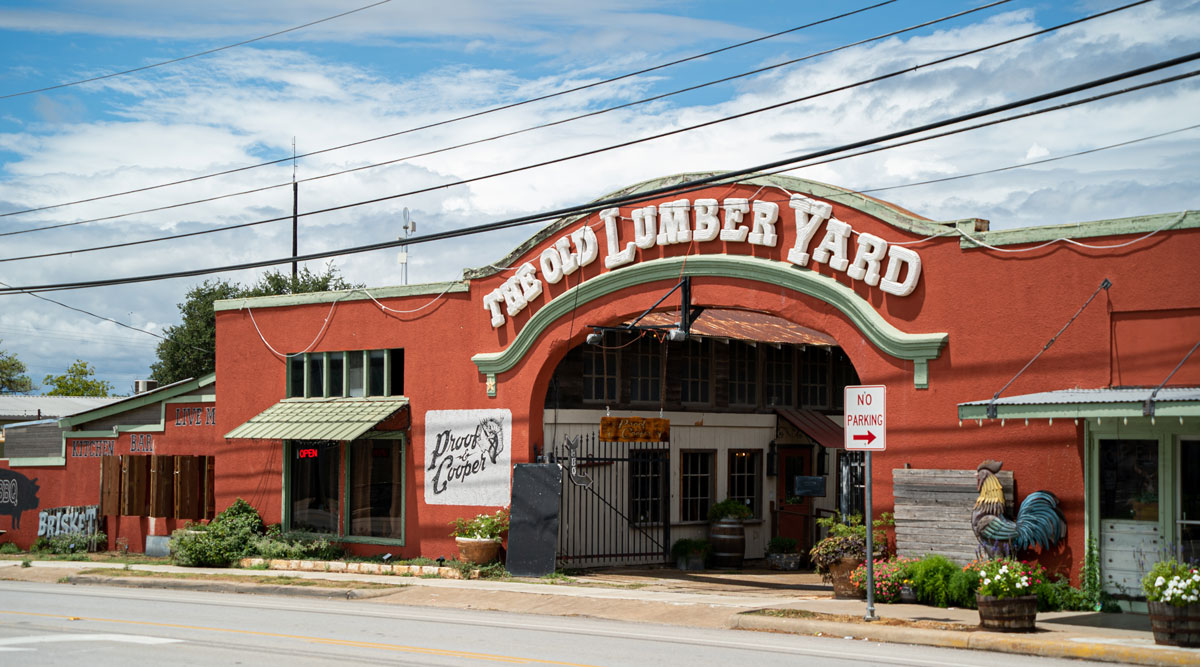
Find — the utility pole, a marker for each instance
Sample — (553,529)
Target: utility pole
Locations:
(295,216)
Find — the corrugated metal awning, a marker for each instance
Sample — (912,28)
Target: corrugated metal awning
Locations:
(319,418)
(744,325)
(815,425)
(1106,402)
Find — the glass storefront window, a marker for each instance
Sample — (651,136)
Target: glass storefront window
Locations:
(1129,479)
(376,493)
(314,486)
(1189,500)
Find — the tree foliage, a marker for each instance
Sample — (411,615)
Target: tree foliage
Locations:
(189,348)
(77,381)
(13,379)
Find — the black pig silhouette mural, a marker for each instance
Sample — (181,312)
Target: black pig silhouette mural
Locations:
(18,494)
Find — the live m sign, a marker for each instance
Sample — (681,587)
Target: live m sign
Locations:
(866,427)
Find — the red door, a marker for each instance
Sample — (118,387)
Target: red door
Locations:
(794,518)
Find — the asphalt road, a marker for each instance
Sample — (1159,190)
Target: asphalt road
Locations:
(54,624)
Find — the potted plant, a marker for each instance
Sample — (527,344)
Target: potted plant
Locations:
(1173,595)
(727,534)
(845,548)
(1006,597)
(478,539)
(690,554)
(781,554)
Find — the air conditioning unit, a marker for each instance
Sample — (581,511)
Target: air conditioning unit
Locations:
(143,386)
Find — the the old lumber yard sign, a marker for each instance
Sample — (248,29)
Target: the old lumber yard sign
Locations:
(896,270)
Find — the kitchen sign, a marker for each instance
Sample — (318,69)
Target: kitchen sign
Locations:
(894,269)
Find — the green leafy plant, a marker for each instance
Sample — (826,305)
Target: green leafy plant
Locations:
(1172,582)
(848,540)
(782,545)
(729,508)
(931,579)
(688,547)
(229,537)
(26,563)
(482,526)
(1008,578)
(9,548)
(74,543)
(890,577)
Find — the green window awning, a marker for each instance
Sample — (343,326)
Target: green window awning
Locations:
(320,418)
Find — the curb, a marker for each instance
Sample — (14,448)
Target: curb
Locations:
(976,640)
(233,587)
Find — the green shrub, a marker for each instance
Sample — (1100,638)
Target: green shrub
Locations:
(782,545)
(75,543)
(962,587)
(729,508)
(229,537)
(1060,595)
(687,547)
(291,546)
(930,578)
(9,548)
(40,544)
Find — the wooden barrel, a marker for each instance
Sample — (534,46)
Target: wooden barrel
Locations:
(839,576)
(728,540)
(1175,626)
(1016,614)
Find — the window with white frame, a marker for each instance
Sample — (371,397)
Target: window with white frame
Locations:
(696,484)
(745,479)
(354,373)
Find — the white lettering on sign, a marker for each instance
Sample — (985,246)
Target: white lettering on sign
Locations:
(865,420)
(893,269)
(66,520)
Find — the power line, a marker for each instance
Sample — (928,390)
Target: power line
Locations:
(194,55)
(516,132)
(611,147)
(696,183)
(455,119)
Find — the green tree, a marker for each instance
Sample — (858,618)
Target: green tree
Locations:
(189,348)
(77,381)
(13,379)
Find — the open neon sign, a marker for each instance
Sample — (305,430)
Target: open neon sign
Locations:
(309,453)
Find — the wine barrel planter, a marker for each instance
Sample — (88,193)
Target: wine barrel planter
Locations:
(839,575)
(1016,614)
(481,551)
(1175,626)
(728,540)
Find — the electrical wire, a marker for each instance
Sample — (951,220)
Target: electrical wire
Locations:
(592,152)
(696,183)
(194,55)
(450,120)
(505,135)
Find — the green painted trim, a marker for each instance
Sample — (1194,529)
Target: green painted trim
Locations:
(1142,224)
(285,514)
(90,434)
(892,215)
(38,461)
(382,435)
(1130,410)
(1091,487)
(919,348)
(138,401)
(358,294)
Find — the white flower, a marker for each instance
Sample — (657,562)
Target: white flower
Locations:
(1160,581)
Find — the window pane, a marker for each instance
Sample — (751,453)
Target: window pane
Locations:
(743,374)
(744,478)
(778,375)
(313,491)
(396,374)
(645,379)
(696,480)
(316,375)
(599,373)
(1129,479)
(336,367)
(695,371)
(647,484)
(376,488)
(814,377)
(375,358)
(295,376)
(354,378)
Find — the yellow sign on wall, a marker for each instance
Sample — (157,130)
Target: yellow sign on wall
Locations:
(635,429)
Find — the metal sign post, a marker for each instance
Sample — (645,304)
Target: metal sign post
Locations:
(866,431)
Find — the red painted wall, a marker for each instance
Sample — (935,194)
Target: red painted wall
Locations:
(998,308)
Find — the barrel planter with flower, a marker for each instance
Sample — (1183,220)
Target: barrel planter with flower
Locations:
(1005,596)
(1173,596)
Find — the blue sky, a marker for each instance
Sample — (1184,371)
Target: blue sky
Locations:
(399,65)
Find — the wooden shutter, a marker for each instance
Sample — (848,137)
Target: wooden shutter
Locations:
(188,500)
(162,486)
(135,487)
(110,485)
(210,496)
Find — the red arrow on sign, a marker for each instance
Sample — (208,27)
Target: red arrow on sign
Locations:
(869,437)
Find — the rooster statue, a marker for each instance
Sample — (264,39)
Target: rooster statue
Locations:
(1039,521)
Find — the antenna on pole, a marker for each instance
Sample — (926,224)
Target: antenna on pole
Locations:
(409,227)
(295,216)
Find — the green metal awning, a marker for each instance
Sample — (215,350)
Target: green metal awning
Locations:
(320,418)
(1114,402)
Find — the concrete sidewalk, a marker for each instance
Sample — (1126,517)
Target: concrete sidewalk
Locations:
(750,599)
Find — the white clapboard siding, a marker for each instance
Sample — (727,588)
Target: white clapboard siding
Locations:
(933,511)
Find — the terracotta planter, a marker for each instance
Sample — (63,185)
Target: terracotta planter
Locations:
(839,574)
(1016,614)
(728,540)
(480,551)
(1175,626)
